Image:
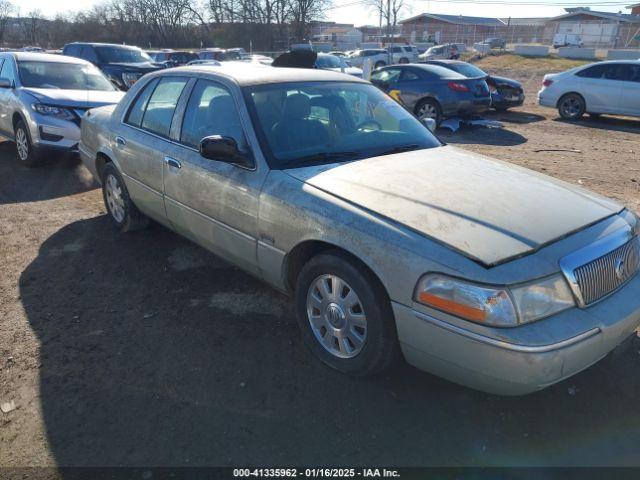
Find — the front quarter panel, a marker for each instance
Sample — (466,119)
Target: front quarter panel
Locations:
(292,212)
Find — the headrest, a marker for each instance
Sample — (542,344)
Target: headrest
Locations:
(296,106)
(222,104)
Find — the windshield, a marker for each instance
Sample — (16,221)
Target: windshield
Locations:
(328,61)
(65,76)
(311,123)
(468,70)
(122,55)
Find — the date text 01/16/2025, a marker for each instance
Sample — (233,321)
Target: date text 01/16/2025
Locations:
(315,473)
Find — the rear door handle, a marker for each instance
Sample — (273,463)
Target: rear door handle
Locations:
(172,162)
(121,141)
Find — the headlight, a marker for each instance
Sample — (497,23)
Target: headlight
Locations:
(53,111)
(130,78)
(495,306)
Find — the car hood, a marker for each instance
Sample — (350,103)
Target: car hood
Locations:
(488,210)
(504,81)
(75,98)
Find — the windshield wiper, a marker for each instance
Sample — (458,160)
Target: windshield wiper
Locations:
(401,148)
(319,157)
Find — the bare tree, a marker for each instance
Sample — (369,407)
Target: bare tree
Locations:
(31,27)
(6,10)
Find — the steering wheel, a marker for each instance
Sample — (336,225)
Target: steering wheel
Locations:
(371,121)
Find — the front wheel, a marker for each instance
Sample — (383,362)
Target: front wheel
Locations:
(571,107)
(345,316)
(122,211)
(26,153)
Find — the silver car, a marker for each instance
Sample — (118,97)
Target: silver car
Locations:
(42,99)
(320,184)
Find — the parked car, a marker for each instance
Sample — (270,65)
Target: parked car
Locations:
(448,51)
(174,58)
(262,59)
(378,56)
(337,64)
(611,87)
(496,42)
(123,65)
(312,59)
(203,62)
(219,54)
(505,93)
(317,182)
(430,91)
(403,53)
(42,99)
(567,40)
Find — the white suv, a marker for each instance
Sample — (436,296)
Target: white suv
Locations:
(403,53)
(379,57)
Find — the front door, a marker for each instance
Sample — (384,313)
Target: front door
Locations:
(630,84)
(213,202)
(141,141)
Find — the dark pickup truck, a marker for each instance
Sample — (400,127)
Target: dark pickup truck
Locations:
(122,64)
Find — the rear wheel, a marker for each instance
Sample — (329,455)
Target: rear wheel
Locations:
(403,60)
(571,107)
(123,213)
(26,153)
(380,64)
(429,108)
(345,315)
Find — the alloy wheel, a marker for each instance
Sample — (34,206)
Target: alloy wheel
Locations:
(428,110)
(22,143)
(571,107)
(115,200)
(336,316)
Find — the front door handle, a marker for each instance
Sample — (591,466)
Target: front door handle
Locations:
(172,162)
(121,142)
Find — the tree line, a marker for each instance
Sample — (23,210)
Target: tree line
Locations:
(265,25)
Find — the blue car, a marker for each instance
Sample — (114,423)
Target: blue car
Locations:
(505,92)
(431,91)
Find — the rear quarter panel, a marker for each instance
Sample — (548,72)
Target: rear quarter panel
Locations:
(95,137)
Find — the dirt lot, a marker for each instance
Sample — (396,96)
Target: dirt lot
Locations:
(144,349)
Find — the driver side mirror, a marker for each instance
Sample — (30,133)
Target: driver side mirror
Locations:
(5,83)
(430,123)
(223,149)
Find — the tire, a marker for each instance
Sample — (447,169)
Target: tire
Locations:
(24,147)
(379,64)
(359,314)
(571,107)
(403,60)
(429,108)
(123,213)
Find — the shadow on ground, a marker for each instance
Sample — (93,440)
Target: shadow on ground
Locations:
(154,352)
(482,136)
(57,177)
(618,124)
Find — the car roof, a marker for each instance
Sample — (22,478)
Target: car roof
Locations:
(47,57)
(436,69)
(445,61)
(247,74)
(99,44)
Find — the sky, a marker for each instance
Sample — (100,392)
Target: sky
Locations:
(359,14)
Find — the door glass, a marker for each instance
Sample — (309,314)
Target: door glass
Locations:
(211,111)
(409,76)
(89,55)
(136,112)
(7,71)
(597,71)
(159,112)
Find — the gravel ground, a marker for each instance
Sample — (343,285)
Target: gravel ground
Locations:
(144,349)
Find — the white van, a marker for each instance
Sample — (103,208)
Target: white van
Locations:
(567,40)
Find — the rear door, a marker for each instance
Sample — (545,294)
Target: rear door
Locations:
(141,140)
(600,88)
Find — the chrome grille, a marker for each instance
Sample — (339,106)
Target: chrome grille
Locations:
(602,276)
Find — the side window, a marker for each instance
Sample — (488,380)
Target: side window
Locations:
(160,107)
(635,73)
(136,111)
(211,111)
(1,62)
(597,71)
(387,76)
(72,50)
(7,70)
(89,54)
(622,71)
(409,76)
